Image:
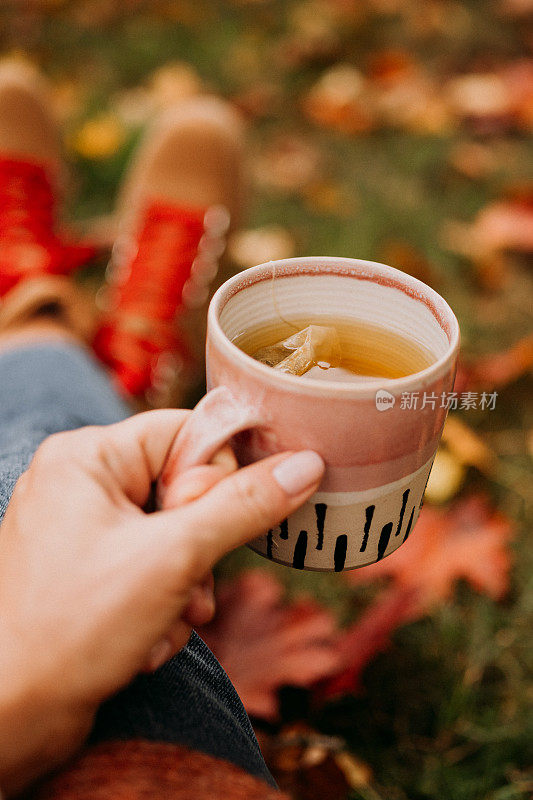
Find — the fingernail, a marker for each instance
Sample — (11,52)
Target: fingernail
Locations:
(160,653)
(299,471)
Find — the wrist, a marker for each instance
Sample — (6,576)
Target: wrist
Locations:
(37,733)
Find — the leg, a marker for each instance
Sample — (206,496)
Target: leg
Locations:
(49,382)
(46,387)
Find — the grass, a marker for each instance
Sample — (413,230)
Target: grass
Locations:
(446,713)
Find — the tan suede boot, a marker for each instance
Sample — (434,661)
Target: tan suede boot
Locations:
(34,260)
(183,191)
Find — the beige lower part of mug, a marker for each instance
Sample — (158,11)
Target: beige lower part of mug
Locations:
(334,531)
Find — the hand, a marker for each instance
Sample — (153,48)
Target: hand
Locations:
(90,584)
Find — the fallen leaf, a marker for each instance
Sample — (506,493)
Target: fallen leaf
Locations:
(405,95)
(392,66)
(100,137)
(473,159)
(446,477)
(518,80)
(313,29)
(67,99)
(243,60)
(404,256)
(311,766)
(328,197)
(467,541)
(478,96)
(172,83)
(368,635)
(356,772)
(341,100)
(288,163)
(499,369)
(416,105)
(264,644)
(261,99)
(467,446)
(505,225)
(272,242)
(516,8)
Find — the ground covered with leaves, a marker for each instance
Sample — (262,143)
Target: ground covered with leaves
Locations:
(397,131)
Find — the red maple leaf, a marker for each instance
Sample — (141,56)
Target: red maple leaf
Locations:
(367,637)
(467,541)
(264,644)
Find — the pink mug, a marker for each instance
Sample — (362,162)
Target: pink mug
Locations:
(378,449)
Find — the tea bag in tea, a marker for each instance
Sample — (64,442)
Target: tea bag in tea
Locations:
(271,355)
(301,351)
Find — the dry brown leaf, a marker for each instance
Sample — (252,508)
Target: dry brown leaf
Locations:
(272,242)
(518,80)
(310,766)
(404,256)
(328,197)
(261,99)
(288,163)
(341,100)
(473,159)
(467,446)
(478,96)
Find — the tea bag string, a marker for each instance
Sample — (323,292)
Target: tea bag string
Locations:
(275,300)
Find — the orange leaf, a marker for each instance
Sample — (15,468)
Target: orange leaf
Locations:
(499,369)
(263,644)
(340,100)
(468,541)
(368,636)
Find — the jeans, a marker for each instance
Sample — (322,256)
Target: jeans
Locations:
(48,388)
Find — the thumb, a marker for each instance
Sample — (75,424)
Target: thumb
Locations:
(241,507)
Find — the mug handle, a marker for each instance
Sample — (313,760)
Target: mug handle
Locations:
(214,420)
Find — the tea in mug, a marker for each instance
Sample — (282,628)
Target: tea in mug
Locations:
(334,349)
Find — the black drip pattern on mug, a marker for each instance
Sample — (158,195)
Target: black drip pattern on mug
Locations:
(339,557)
(409,524)
(425,485)
(402,512)
(341,541)
(269,543)
(320,510)
(300,550)
(369,513)
(384,539)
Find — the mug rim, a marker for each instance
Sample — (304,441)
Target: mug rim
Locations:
(359,269)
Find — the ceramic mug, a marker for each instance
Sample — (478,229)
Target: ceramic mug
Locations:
(378,451)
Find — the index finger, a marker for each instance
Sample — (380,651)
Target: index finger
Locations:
(238,509)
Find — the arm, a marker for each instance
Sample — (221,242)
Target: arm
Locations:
(94,590)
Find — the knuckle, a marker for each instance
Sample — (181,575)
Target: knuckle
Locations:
(49,451)
(252,498)
(57,447)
